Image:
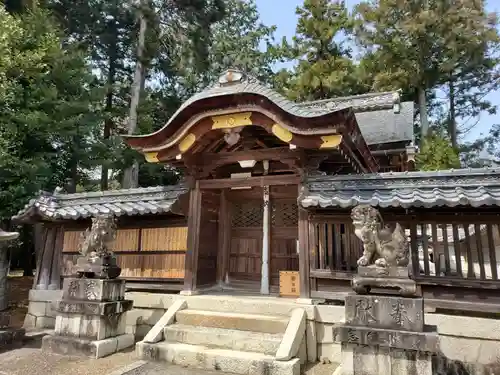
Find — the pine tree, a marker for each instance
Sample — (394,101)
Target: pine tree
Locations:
(437,153)
(325,68)
(422,45)
(47,102)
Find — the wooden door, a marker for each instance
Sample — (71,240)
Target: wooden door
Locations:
(245,253)
(284,234)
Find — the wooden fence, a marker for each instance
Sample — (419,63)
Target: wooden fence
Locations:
(144,254)
(454,258)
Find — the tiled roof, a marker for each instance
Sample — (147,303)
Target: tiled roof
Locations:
(474,187)
(359,103)
(246,84)
(125,202)
(380,116)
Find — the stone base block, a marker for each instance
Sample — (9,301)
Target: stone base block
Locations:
(91,327)
(74,346)
(94,308)
(11,337)
(5,319)
(366,360)
(392,312)
(93,289)
(406,286)
(396,339)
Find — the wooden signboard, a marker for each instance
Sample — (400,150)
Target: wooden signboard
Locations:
(289,284)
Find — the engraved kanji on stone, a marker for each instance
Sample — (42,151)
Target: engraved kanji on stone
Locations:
(364,310)
(394,339)
(73,288)
(399,313)
(352,336)
(90,293)
(371,337)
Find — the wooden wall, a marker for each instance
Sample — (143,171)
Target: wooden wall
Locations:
(455,268)
(145,250)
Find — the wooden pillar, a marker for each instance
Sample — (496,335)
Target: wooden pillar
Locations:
(48,270)
(264,282)
(304,267)
(224,239)
(55,274)
(194,219)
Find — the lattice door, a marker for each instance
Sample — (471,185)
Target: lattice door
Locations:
(284,214)
(284,231)
(247,214)
(246,240)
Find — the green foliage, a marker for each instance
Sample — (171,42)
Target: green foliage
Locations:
(325,68)
(436,153)
(47,118)
(433,45)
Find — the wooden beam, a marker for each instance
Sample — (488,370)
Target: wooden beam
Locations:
(258,155)
(249,182)
(194,219)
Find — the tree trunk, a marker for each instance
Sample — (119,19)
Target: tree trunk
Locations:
(131,174)
(452,126)
(108,124)
(424,117)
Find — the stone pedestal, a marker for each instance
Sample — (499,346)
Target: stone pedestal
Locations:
(389,277)
(386,335)
(90,319)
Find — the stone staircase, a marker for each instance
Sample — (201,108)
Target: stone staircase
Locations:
(231,342)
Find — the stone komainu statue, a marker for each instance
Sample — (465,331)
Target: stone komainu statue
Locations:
(97,259)
(95,241)
(382,246)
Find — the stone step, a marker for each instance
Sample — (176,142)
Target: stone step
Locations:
(230,361)
(238,321)
(247,305)
(266,343)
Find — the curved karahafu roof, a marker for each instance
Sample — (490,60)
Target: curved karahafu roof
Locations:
(474,187)
(233,89)
(125,202)
(239,100)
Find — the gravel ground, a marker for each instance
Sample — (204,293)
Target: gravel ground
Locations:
(166,369)
(33,361)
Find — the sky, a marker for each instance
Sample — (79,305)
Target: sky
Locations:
(281,13)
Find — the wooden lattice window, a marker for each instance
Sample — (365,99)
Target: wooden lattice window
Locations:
(284,214)
(247,214)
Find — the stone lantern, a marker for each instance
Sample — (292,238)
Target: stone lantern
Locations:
(5,237)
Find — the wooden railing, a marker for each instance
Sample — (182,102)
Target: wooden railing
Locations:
(447,251)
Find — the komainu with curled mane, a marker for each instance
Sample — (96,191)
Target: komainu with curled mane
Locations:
(97,260)
(382,246)
(96,240)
